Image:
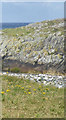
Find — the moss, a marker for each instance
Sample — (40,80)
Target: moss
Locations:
(50,23)
(49,47)
(62,33)
(46,36)
(15,70)
(18,50)
(39,56)
(41,35)
(56,49)
(55,30)
(33,53)
(45,51)
(60,56)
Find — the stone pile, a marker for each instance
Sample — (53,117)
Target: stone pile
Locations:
(46,79)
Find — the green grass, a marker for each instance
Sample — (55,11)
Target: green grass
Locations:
(28,99)
(14,31)
(15,70)
(23,31)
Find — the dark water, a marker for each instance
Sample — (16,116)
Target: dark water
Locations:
(12,25)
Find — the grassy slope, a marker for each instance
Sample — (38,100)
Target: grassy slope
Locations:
(23,31)
(22,101)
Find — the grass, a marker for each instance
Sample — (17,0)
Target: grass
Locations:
(20,31)
(23,31)
(15,70)
(28,99)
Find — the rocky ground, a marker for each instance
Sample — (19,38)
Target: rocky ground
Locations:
(39,43)
(46,79)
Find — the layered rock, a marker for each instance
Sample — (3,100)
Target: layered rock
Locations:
(37,43)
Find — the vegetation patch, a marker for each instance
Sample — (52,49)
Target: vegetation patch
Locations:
(28,99)
(15,70)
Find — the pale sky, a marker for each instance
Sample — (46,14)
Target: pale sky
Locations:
(31,11)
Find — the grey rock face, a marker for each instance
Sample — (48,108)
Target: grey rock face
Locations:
(41,43)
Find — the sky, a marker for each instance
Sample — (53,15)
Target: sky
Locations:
(31,11)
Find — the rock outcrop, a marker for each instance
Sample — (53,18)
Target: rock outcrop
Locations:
(37,43)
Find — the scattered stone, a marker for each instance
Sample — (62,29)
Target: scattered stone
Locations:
(46,79)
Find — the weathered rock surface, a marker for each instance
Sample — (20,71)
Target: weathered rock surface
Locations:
(37,43)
